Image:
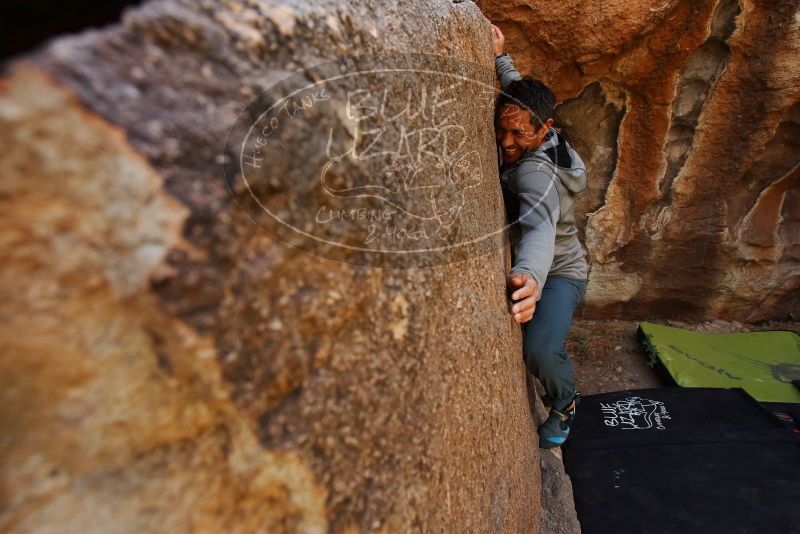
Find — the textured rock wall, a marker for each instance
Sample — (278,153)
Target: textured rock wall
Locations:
(167,365)
(687,114)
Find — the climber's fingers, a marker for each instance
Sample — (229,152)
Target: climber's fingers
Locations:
(498,40)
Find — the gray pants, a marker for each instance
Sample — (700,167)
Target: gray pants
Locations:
(543,338)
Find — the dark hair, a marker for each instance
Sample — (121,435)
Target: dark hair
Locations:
(532,95)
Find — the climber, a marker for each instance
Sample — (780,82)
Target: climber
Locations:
(540,175)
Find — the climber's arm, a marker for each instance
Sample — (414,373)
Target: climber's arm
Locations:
(506,72)
(538,216)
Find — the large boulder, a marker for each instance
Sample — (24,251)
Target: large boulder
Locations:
(688,114)
(173,360)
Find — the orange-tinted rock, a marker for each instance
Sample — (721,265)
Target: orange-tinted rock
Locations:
(687,114)
(167,365)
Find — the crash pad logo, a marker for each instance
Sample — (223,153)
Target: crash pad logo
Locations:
(383,159)
(635,413)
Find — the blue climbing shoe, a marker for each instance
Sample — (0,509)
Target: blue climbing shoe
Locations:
(554,431)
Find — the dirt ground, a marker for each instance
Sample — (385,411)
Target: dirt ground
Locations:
(607,355)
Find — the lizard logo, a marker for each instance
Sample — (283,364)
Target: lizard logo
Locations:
(378,160)
(635,413)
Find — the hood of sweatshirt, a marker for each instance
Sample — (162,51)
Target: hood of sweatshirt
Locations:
(557,153)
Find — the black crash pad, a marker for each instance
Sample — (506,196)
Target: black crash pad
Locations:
(682,461)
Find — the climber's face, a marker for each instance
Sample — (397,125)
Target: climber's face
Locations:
(514,132)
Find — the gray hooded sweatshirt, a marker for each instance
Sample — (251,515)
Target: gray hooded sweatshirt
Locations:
(539,191)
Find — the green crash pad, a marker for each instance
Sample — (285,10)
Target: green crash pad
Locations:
(762,363)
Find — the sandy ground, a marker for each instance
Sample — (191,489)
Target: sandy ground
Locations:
(607,356)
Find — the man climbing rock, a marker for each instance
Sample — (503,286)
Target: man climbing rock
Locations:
(540,175)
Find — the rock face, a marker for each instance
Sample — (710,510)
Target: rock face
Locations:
(687,114)
(168,365)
